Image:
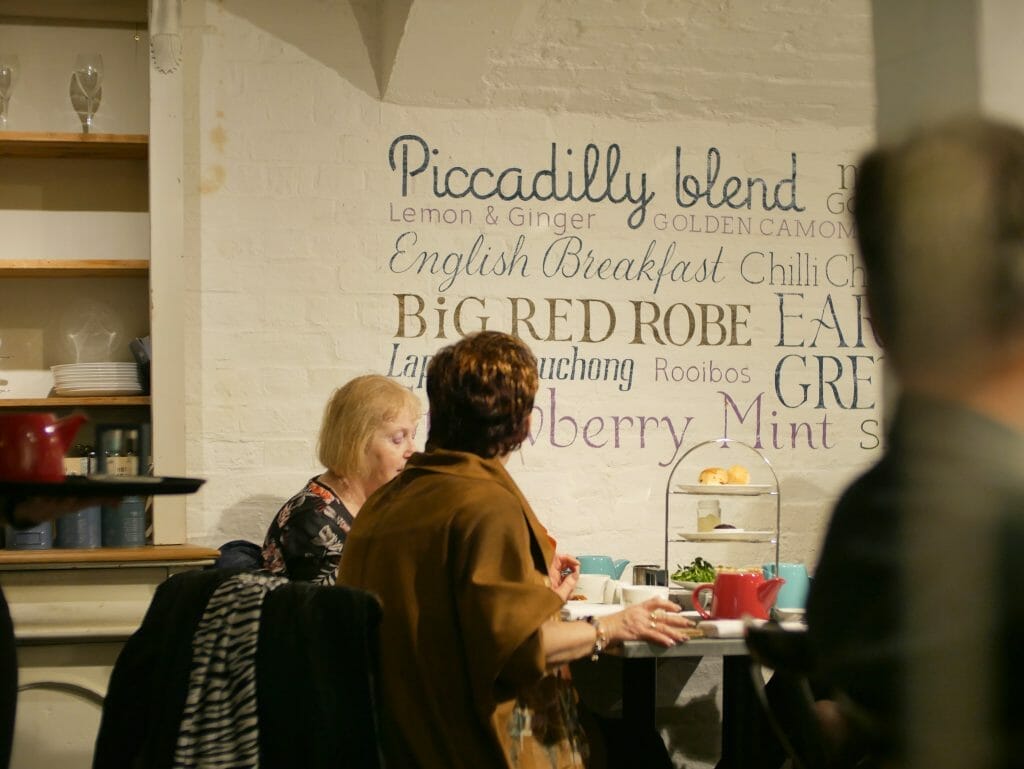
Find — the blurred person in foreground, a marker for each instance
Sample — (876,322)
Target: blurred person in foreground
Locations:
(470,635)
(917,605)
(366,435)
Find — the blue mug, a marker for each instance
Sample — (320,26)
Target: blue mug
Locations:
(793,594)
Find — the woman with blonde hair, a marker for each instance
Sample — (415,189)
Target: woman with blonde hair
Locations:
(366,435)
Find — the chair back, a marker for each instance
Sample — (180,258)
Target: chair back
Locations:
(788,701)
(307,653)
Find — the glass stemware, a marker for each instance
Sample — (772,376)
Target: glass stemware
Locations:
(88,75)
(8,75)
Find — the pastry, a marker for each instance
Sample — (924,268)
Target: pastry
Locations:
(714,476)
(738,474)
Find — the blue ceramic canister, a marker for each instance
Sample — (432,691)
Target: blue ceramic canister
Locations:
(83,529)
(124,525)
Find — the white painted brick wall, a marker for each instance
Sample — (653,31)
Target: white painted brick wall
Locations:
(290,293)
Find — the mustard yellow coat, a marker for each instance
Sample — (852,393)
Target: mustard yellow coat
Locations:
(459,561)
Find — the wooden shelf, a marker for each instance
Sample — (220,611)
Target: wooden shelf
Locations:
(109,11)
(148,554)
(33,144)
(58,402)
(74,268)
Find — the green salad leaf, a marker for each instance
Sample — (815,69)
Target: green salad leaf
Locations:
(699,570)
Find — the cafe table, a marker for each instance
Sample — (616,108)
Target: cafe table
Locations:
(741,711)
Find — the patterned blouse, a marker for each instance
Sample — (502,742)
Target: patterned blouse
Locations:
(306,538)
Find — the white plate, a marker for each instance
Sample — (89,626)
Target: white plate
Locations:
(97,364)
(93,377)
(689,585)
(728,489)
(96,372)
(102,391)
(727,535)
(93,368)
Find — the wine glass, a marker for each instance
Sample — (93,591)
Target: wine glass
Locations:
(8,74)
(88,74)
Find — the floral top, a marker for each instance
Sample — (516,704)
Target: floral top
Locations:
(306,538)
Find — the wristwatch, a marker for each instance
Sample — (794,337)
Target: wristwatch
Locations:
(600,638)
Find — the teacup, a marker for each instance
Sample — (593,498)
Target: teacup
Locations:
(738,594)
(592,587)
(633,594)
(793,594)
(613,591)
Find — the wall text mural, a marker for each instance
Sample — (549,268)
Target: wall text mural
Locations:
(697,296)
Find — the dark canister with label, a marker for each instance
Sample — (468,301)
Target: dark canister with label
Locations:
(36,538)
(82,529)
(124,525)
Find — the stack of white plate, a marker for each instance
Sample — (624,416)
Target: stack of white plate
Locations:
(96,379)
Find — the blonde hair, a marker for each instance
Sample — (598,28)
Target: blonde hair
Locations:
(353,414)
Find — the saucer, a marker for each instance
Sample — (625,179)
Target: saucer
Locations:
(789,615)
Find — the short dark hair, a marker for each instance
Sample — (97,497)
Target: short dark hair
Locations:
(481,392)
(940,229)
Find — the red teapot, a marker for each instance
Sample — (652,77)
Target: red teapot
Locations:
(737,594)
(33,445)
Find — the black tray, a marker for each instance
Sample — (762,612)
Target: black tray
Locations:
(102,486)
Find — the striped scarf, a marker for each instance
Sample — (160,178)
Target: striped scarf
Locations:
(219,724)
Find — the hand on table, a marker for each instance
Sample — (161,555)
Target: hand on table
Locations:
(564,573)
(656,620)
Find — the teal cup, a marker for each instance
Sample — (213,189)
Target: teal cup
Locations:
(793,594)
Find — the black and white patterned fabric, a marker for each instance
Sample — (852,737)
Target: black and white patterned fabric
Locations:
(220,724)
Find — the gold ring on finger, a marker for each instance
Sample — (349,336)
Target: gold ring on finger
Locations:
(654,624)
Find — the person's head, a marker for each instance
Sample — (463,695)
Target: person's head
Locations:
(481,392)
(368,430)
(940,225)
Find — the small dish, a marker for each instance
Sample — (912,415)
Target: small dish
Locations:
(789,614)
